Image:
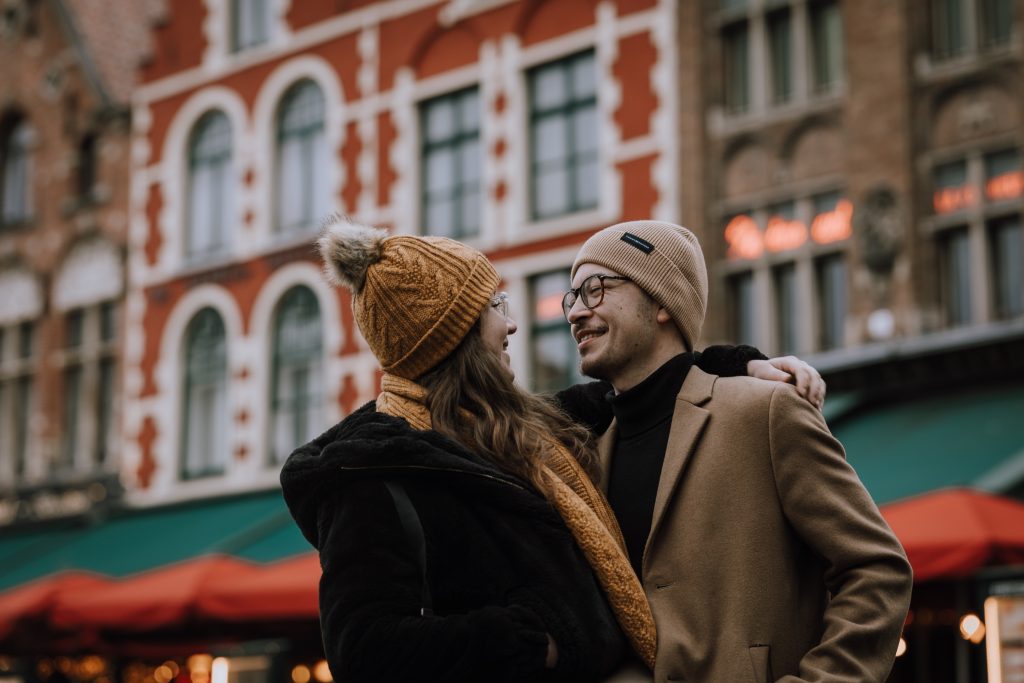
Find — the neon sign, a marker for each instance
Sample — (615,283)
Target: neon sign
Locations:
(746,241)
(1006,186)
(950,199)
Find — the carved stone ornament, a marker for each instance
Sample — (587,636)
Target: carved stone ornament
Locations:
(878,222)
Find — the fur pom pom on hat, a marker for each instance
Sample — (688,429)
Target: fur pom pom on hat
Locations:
(414,298)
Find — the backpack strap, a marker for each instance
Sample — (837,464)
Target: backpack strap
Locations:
(410,520)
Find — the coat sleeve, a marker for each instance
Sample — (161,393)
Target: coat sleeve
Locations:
(586,404)
(370,607)
(867,573)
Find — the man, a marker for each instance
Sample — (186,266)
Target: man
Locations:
(762,555)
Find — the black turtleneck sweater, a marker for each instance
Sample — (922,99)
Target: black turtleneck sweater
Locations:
(644,416)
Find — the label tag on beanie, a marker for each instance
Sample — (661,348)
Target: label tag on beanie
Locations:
(642,245)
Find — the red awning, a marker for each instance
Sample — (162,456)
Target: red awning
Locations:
(284,590)
(954,532)
(35,601)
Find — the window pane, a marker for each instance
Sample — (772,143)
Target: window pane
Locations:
(781,68)
(785,307)
(585,130)
(744,318)
(996,21)
(205,439)
(297,369)
(1007,260)
(832,301)
(736,67)
(105,416)
(251,23)
(550,139)
(210,189)
(16,200)
(469,111)
(469,162)
(440,217)
(555,363)
(1004,178)
(827,41)
(439,117)
(290,186)
(947,28)
(22,411)
(551,192)
(548,87)
(108,321)
(301,156)
(74,323)
(585,184)
(957,277)
(584,77)
(452,161)
(952,191)
(26,340)
(72,400)
(470,212)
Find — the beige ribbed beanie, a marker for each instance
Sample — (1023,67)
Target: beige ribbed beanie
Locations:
(414,298)
(665,260)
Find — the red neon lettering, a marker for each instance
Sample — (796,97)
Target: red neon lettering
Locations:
(1006,186)
(950,199)
(549,307)
(783,234)
(744,238)
(835,225)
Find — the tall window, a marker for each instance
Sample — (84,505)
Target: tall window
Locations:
(211,192)
(827,44)
(831,274)
(250,23)
(956,276)
(302,158)
(204,446)
(780,38)
(744,309)
(85,176)
(736,67)
(960,27)
(88,391)
(552,349)
(16,165)
(785,308)
(17,366)
(563,136)
(298,372)
(1008,264)
(451,164)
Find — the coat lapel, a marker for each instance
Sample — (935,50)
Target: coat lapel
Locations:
(688,422)
(605,451)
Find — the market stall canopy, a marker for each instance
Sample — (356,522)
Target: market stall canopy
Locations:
(955,532)
(968,438)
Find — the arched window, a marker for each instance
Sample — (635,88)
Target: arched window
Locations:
(204,442)
(302,156)
(210,186)
(16,165)
(296,394)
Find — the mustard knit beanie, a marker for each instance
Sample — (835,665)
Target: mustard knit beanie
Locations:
(664,260)
(414,298)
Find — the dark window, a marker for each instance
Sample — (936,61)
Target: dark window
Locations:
(744,309)
(563,136)
(1007,257)
(16,169)
(736,67)
(785,307)
(303,196)
(956,276)
(780,41)
(298,373)
(250,22)
(204,443)
(552,349)
(451,171)
(831,272)
(948,36)
(210,190)
(86,175)
(827,44)
(996,22)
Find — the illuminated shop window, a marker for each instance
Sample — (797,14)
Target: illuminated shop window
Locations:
(451,172)
(553,356)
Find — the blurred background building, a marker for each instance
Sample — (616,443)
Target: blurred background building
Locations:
(853,169)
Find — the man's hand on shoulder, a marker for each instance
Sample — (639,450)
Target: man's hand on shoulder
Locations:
(792,370)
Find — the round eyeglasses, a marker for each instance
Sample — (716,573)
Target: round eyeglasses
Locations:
(500,302)
(590,292)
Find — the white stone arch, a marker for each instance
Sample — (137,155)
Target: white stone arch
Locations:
(174,170)
(264,117)
(168,375)
(92,272)
(261,322)
(22,295)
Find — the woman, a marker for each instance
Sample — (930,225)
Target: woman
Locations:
(523,564)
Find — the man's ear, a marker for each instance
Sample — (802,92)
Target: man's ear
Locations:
(663,316)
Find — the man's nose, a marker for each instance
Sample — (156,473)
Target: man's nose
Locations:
(578,311)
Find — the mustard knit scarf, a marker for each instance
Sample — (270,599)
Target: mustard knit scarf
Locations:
(582,507)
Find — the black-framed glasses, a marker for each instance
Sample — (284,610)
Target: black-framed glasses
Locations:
(590,292)
(500,302)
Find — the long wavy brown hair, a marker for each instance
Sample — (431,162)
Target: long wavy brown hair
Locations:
(472,399)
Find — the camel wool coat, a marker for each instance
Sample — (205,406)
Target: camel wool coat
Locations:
(767,559)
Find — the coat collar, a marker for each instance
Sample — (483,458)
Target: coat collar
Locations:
(688,422)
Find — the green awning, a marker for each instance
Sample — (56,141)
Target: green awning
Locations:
(254,527)
(958,438)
